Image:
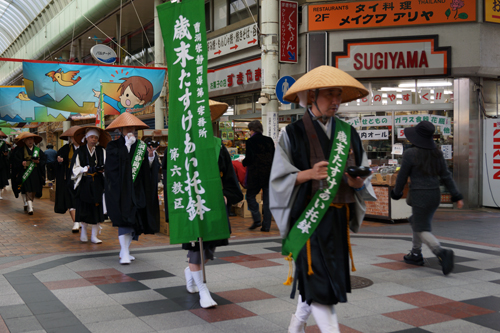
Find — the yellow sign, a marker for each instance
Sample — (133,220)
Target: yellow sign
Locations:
(492,11)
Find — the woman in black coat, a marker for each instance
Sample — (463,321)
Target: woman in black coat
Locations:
(424,164)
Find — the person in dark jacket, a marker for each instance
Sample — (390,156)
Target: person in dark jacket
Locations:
(29,168)
(64,195)
(232,194)
(4,164)
(131,184)
(258,160)
(87,166)
(424,164)
(51,156)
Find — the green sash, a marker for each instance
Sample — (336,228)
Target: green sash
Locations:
(27,173)
(307,223)
(137,159)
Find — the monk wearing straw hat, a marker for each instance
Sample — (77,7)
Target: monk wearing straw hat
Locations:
(87,166)
(131,184)
(313,200)
(29,167)
(64,196)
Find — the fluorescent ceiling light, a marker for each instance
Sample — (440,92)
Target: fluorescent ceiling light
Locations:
(426,84)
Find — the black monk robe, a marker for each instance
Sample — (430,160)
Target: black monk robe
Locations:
(131,204)
(36,180)
(64,184)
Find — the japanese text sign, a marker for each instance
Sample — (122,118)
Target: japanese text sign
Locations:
(374,135)
(195,201)
(377,14)
(233,41)
(288,31)
(492,11)
(245,75)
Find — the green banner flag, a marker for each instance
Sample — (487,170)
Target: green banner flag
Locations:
(195,201)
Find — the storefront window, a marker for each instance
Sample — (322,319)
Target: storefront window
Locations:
(220,14)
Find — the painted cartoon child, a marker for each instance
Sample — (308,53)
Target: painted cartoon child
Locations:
(135,93)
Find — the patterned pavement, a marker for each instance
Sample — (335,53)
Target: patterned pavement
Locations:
(50,282)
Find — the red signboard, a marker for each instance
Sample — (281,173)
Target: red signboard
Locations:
(288,31)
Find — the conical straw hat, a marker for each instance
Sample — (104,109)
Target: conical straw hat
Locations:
(327,77)
(19,136)
(69,133)
(104,137)
(2,135)
(126,119)
(217,109)
(20,141)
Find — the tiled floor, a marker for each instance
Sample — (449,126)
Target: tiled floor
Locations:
(50,282)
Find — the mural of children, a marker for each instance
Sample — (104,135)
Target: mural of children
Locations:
(135,93)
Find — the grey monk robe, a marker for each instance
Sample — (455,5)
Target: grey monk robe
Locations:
(329,250)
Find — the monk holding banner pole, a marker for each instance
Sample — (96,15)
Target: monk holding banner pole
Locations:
(196,208)
(313,200)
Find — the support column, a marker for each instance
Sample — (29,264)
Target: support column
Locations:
(269,57)
(160,104)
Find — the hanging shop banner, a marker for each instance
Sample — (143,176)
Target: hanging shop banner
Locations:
(233,41)
(288,25)
(382,13)
(394,56)
(404,120)
(491,11)
(76,87)
(239,77)
(16,106)
(195,201)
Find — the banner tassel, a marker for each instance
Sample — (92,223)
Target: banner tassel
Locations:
(289,279)
(309,260)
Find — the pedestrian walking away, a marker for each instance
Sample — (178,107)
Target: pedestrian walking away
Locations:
(64,199)
(313,200)
(4,164)
(28,165)
(51,156)
(258,160)
(425,165)
(87,166)
(231,195)
(131,192)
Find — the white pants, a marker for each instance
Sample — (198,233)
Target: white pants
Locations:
(325,315)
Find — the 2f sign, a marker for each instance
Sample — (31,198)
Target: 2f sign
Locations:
(322,17)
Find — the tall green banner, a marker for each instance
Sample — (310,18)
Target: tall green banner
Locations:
(195,201)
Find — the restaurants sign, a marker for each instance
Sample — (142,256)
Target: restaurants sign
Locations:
(382,13)
(233,41)
(288,31)
(393,57)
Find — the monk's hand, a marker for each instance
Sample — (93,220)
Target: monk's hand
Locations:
(151,151)
(24,163)
(460,204)
(60,159)
(355,182)
(319,170)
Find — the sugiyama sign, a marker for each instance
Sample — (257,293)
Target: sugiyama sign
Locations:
(392,57)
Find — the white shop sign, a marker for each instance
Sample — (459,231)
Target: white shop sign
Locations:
(233,41)
(374,135)
(394,57)
(238,75)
